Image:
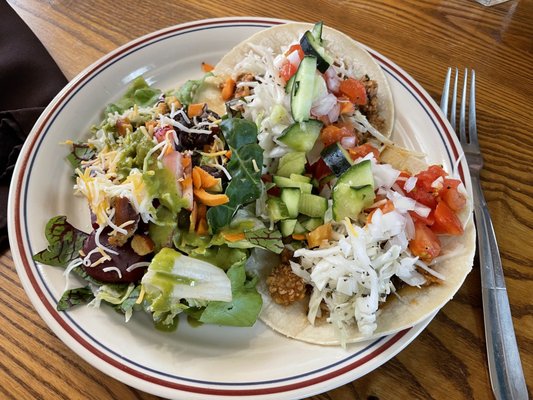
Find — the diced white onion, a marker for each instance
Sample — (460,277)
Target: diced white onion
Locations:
(422,210)
(323,105)
(348,142)
(410,184)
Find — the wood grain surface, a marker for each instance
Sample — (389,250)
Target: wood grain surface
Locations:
(447,361)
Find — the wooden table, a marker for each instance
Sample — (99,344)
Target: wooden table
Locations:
(447,361)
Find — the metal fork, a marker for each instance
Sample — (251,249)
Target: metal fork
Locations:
(505,368)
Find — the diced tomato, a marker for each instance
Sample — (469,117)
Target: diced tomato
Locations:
(429,220)
(451,196)
(363,150)
(287,70)
(428,176)
(333,134)
(298,48)
(354,90)
(426,196)
(446,221)
(423,192)
(425,244)
(319,169)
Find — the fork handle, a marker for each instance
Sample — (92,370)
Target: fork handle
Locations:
(505,369)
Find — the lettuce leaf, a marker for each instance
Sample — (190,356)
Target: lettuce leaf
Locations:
(139,92)
(64,243)
(186,92)
(245,305)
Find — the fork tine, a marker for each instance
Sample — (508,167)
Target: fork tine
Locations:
(462,125)
(453,118)
(472,128)
(444,97)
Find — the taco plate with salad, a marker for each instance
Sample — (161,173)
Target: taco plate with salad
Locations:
(270,188)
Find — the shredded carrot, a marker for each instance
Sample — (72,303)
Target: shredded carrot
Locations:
(233,237)
(317,236)
(228,89)
(169,150)
(196,178)
(228,154)
(196,109)
(202,228)
(207,67)
(192,217)
(202,211)
(186,182)
(206,179)
(298,236)
(209,199)
(186,160)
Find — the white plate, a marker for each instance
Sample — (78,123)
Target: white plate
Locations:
(206,361)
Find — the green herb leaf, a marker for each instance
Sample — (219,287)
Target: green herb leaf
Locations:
(64,243)
(239,132)
(245,185)
(245,305)
(73,297)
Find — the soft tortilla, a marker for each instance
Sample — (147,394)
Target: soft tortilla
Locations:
(336,43)
(415,305)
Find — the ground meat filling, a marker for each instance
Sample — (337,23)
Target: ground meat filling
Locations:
(243,90)
(370,109)
(285,286)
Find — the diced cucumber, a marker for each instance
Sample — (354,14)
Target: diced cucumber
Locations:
(313,205)
(317,31)
(302,89)
(301,136)
(312,47)
(336,158)
(283,182)
(291,198)
(312,223)
(354,191)
(291,163)
(300,178)
(350,201)
(276,208)
(288,86)
(299,229)
(287,226)
(279,113)
(359,174)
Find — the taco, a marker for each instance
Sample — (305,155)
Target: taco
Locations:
(407,303)
(326,191)
(344,79)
